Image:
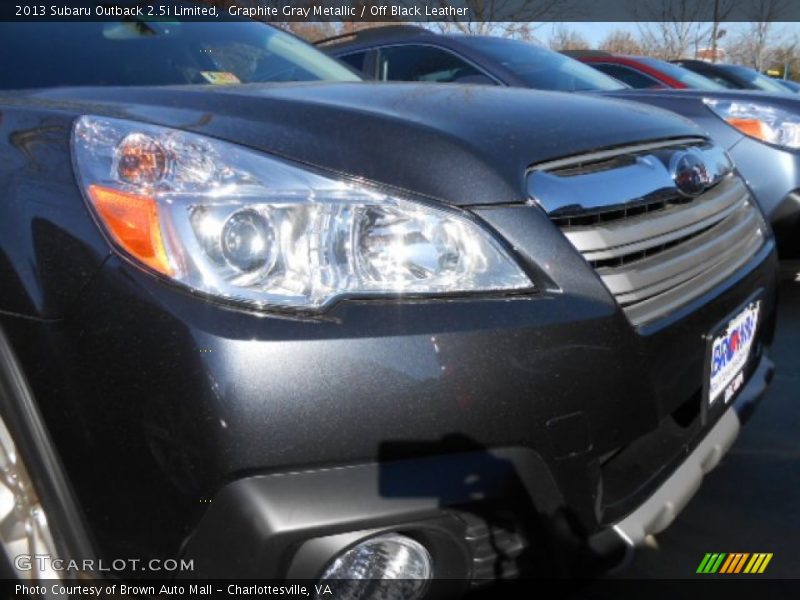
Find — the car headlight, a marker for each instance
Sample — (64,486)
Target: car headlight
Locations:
(237,224)
(761,121)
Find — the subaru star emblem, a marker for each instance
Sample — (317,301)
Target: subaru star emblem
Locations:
(689,172)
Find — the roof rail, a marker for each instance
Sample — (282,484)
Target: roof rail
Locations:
(373,32)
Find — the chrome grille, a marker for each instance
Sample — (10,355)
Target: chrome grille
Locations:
(654,247)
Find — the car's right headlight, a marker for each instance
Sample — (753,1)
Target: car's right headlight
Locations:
(764,122)
(237,224)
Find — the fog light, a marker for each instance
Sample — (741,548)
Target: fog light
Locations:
(396,566)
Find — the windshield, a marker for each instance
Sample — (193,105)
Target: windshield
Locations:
(544,69)
(756,79)
(688,78)
(157,53)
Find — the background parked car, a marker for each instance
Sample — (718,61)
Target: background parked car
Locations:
(760,131)
(734,77)
(790,85)
(644,72)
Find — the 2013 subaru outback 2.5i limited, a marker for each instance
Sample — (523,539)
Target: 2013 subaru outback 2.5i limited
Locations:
(303,326)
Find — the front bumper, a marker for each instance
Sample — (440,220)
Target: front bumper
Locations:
(479,512)
(657,512)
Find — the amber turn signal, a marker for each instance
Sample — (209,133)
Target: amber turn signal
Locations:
(133,222)
(751,127)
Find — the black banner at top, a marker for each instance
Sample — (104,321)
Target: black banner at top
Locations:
(404,10)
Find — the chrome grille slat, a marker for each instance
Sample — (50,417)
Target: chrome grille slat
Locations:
(654,247)
(611,153)
(615,239)
(647,177)
(647,277)
(653,308)
(683,267)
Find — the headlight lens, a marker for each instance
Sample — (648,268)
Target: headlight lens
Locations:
(237,224)
(761,121)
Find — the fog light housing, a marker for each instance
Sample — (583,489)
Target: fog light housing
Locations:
(386,566)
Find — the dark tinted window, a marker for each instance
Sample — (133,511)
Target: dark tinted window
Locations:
(355,60)
(711,73)
(541,68)
(157,53)
(722,80)
(425,63)
(633,78)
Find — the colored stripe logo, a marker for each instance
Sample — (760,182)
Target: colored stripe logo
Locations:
(734,563)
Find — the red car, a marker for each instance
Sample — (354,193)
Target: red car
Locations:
(644,72)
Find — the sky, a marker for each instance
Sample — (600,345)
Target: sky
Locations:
(595,32)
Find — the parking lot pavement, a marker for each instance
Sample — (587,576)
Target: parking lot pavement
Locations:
(751,502)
